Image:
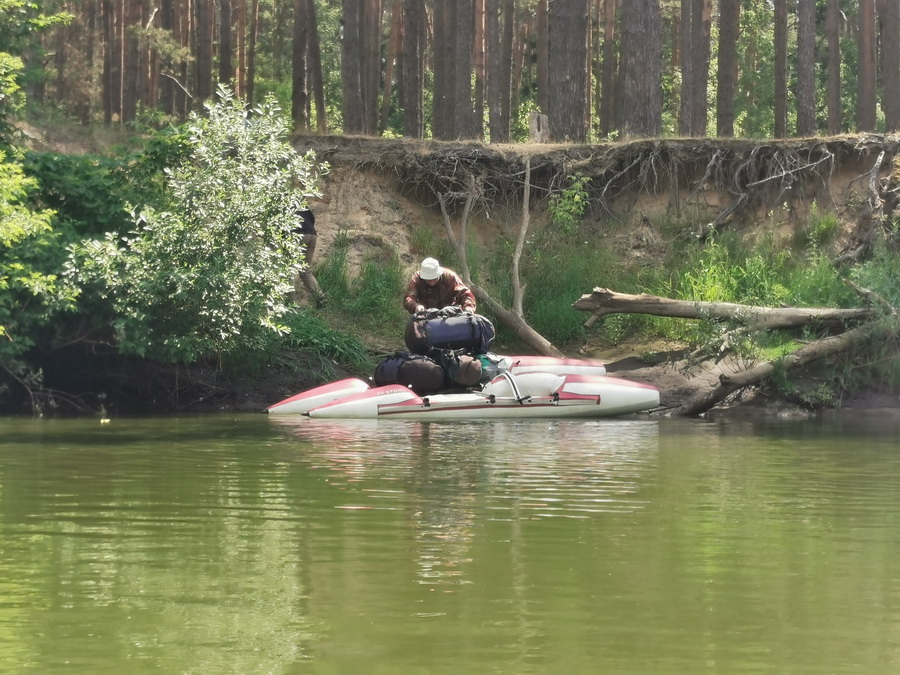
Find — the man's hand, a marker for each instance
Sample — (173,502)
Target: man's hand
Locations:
(420,309)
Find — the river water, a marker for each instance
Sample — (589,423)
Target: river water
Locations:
(253,544)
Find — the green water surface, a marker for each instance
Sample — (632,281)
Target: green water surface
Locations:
(250,544)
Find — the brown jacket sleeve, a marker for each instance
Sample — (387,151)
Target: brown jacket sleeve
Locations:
(412,294)
(463,295)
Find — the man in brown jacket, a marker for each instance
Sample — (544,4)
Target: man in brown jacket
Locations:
(433,286)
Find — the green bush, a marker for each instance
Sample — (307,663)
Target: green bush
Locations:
(210,271)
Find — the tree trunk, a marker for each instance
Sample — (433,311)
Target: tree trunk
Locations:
(226,49)
(780,68)
(498,126)
(443,110)
(478,64)
(806,68)
(393,56)
(131,71)
(866,70)
(603,301)
(204,51)
(299,92)
(833,37)
(371,64)
(700,84)
(641,66)
(568,31)
(609,69)
(314,66)
(166,84)
(185,27)
(412,68)
(462,70)
(542,55)
(889,12)
(727,67)
(521,39)
(240,83)
(351,72)
(685,46)
(251,53)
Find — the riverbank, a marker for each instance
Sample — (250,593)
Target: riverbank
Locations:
(666,367)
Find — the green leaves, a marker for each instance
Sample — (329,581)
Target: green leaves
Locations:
(567,207)
(211,271)
(26,241)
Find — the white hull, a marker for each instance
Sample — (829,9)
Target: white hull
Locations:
(529,395)
(302,403)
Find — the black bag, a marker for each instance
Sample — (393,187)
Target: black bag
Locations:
(420,373)
(470,332)
(461,369)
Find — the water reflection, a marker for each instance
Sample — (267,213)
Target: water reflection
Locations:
(256,544)
(451,477)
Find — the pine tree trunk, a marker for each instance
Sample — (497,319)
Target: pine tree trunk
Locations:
(240,79)
(298,67)
(806,68)
(889,13)
(204,52)
(412,68)
(568,42)
(251,52)
(314,67)
(686,45)
(131,71)
(478,64)
(506,66)
(780,68)
(700,84)
(641,69)
(166,84)
(444,110)
(370,66)
(542,55)
(833,37)
(351,75)
(226,70)
(609,70)
(462,70)
(393,56)
(866,71)
(727,70)
(185,26)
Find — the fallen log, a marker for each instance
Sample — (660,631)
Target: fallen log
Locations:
(603,301)
(728,384)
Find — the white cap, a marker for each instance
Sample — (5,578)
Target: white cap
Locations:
(430,269)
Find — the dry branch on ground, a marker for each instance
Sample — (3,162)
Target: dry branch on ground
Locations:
(603,301)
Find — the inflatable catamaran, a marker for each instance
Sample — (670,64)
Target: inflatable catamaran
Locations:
(448,373)
(529,386)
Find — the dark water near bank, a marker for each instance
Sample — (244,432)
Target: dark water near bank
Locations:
(249,544)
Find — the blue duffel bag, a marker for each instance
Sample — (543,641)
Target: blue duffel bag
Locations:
(449,328)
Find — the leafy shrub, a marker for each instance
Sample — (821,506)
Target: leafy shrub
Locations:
(29,292)
(567,207)
(209,273)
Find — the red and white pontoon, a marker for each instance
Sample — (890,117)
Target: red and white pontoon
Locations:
(532,386)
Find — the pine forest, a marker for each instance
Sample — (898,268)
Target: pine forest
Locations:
(480,69)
